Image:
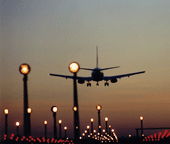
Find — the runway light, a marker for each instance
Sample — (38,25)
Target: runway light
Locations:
(74,67)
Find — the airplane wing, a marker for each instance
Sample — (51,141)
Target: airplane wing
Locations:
(106,78)
(71,77)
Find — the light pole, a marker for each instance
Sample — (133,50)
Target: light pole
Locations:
(106,120)
(25,69)
(17,125)
(54,109)
(74,68)
(99,107)
(6,112)
(110,129)
(91,120)
(29,111)
(104,132)
(65,129)
(141,118)
(88,127)
(60,121)
(45,123)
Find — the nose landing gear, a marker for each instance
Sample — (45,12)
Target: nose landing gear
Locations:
(106,84)
(88,84)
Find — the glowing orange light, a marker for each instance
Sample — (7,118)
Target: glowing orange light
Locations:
(24,68)
(6,111)
(54,109)
(75,108)
(106,118)
(141,118)
(17,123)
(74,67)
(92,120)
(65,128)
(98,107)
(29,110)
(88,127)
(45,122)
(60,121)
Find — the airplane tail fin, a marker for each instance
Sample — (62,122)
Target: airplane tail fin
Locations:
(97,56)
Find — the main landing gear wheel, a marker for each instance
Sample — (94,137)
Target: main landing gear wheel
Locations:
(88,84)
(106,84)
(97,84)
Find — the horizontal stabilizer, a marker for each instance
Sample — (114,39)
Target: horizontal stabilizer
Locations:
(109,68)
(86,69)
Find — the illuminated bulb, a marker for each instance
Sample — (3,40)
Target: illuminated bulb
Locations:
(24,68)
(88,127)
(75,108)
(29,110)
(6,111)
(54,109)
(45,122)
(74,67)
(106,119)
(92,120)
(65,128)
(98,107)
(141,117)
(17,123)
(60,121)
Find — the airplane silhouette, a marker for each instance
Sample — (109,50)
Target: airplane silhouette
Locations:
(97,74)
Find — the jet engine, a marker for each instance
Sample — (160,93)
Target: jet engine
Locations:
(113,80)
(81,81)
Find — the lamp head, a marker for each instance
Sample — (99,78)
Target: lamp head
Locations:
(60,121)
(74,67)
(6,111)
(98,107)
(17,124)
(92,120)
(24,68)
(45,122)
(74,108)
(54,109)
(106,118)
(141,118)
(65,128)
(88,127)
(29,110)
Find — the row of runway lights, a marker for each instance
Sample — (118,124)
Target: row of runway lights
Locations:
(158,137)
(86,133)
(30,139)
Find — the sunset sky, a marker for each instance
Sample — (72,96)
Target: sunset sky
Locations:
(50,34)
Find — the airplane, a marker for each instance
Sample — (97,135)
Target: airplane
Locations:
(97,75)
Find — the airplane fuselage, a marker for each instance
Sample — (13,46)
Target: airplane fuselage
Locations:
(97,75)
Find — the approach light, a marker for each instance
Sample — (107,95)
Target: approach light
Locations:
(24,68)
(74,67)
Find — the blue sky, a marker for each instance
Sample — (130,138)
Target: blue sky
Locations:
(49,35)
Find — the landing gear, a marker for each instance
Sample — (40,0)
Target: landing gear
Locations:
(88,84)
(97,84)
(106,84)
